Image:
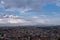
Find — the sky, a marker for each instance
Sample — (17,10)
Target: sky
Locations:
(29,12)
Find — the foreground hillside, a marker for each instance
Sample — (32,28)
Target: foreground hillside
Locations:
(30,33)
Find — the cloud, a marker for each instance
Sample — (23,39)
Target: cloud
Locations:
(38,20)
(34,20)
(34,17)
(24,10)
(21,21)
(25,5)
(34,4)
(2,2)
(3,21)
(16,21)
(29,12)
(58,3)
(12,20)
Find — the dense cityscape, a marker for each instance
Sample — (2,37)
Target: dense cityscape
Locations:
(30,33)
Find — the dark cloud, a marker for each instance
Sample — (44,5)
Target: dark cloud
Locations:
(34,4)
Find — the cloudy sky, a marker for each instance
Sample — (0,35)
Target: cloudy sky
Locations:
(29,12)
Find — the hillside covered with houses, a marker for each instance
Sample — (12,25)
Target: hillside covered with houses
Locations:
(30,33)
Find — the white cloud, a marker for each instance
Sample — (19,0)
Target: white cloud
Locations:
(2,21)
(29,21)
(16,21)
(2,2)
(12,20)
(24,10)
(8,16)
(39,20)
(34,17)
(12,16)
